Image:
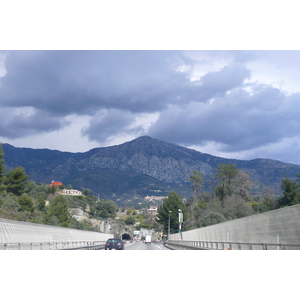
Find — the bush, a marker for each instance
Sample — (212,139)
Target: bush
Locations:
(130,221)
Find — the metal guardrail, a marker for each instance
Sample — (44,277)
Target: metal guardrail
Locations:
(178,246)
(97,247)
(68,245)
(213,245)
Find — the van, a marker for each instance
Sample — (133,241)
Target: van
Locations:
(148,239)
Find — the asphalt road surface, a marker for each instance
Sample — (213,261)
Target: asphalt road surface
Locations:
(142,246)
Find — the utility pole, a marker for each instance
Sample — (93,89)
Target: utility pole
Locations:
(169,225)
(180,215)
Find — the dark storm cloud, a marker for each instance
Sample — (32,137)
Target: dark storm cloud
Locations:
(59,83)
(211,85)
(56,84)
(241,120)
(109,123)
(22,124)
(216,84)
(64,82)
(115,90)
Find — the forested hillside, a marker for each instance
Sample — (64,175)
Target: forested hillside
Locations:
(229,198)
(135,169)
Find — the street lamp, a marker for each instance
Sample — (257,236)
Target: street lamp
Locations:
(180,215)
(169,225)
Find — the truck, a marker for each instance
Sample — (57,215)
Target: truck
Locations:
(148,239)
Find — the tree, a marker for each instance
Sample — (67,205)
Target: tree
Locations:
(26,203)
(53,221)
(291,193)
(197,183)
(226,174)
(16,181)
(242,184)
(2,169)
(268,203)
(235,207)
(130,220)
(105,209)
(210,218)
(172,203)
(41,203)
(59,208)
(86,192)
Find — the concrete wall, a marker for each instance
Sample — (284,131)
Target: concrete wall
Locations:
(277,226)
(23,232)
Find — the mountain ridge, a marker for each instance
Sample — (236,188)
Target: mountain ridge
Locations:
(134,169)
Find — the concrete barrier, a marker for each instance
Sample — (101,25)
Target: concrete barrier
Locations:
(280,229)
(25,235)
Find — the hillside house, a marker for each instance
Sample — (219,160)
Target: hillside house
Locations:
(152,209)
(55,184)
(71,192)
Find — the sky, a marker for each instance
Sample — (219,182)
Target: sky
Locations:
(230,103)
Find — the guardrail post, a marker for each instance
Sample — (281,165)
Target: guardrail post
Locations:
(282,247)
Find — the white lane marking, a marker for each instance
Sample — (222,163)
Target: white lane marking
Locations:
(139,247)
(157,246)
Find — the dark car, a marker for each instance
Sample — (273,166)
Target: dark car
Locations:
(114,244)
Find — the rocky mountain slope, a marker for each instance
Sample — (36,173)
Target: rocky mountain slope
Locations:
(144,166)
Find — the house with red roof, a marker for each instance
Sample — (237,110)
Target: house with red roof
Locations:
(56,184)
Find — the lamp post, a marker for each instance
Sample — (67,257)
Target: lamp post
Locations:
(169,225)
(180,216)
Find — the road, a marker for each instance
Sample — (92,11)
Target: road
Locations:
(142,246)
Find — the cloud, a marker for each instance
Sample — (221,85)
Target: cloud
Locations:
(64,82)
(234,102)
(215,84)
(108,123)
(238,121)
(26,122)
(56,84)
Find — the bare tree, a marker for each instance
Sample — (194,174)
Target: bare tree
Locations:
(235,207)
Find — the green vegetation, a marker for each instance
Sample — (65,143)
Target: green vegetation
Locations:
(170,207)
(291,192)
(24,200)
(16,181)
(229,198)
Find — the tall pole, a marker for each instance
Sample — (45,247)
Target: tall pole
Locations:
(180,216)
(169,225)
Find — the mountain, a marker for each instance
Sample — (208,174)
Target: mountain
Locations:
(144,166)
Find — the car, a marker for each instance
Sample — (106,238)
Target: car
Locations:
(114,244)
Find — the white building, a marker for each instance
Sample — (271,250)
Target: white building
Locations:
(71,192)
(152,209)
